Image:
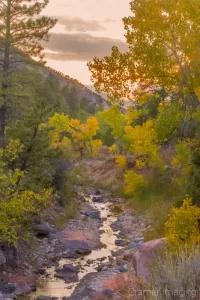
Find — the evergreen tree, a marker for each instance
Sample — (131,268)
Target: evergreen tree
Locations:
(21,32)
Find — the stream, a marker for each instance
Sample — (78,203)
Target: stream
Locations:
(49,285)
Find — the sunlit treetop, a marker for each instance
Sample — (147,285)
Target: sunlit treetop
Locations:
(163,38)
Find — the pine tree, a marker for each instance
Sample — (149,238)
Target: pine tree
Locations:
(21,32)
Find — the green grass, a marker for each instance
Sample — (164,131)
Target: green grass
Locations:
(70,212)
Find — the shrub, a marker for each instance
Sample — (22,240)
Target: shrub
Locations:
(176,276)
(133,182)
(121,161)
(182,226)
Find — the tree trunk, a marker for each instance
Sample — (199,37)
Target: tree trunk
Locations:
(6,65)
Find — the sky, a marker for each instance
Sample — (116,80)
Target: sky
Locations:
(85,29)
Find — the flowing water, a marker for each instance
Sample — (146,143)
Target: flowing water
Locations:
(55,287)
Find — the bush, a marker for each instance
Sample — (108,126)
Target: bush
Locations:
(176,276)
(121,161)
(182,227)
(133,182)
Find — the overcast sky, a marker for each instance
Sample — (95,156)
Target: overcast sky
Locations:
(85,29)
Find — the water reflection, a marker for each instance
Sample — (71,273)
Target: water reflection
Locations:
(55,287)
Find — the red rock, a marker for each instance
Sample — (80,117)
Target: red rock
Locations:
(119,282)
(24,284)
(76,235)
(18,278)
(145,255)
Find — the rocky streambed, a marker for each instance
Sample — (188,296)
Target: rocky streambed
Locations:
(91,258)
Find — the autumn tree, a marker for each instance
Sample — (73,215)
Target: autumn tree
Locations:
(72,135)
(21,31)
(163,39)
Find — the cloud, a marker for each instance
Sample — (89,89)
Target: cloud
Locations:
(80,47)
(79,25)
(108,20)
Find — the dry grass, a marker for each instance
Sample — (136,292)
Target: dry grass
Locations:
(177,275)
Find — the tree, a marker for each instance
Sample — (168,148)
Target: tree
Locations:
(72,135)
(20,35)
(163,39)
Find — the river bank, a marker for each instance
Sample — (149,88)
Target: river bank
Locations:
(91,257)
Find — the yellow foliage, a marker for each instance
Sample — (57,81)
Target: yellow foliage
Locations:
(15,211)
(95,145)
(182,227)
(121,161)
(143,140)
(113,148)
(133,182)
(141,162)
(132,114)
(73,135)
(197,92)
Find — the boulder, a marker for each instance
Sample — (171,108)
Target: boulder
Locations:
(69,273)
(98,200)
(2,258)
(145,255)
(95,215)
(70,254)
(103,295)
(133,245)
(128,255)
(123,269)
(79,247)
(23,284)
(42,229)
(98,192)
(90,294)
(6,288)
(120,243)
(22,288)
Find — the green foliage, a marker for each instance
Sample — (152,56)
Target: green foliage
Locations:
(168,121)
(105,132)
(17,204)
(79,108)
(21,26)
(115,119)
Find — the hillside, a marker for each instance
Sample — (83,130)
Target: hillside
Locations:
(59,82)
(71,83)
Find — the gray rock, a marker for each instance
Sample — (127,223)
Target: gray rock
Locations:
(120,243)
(79,247)
(108,293)
(84,294)
(6,288)
(42,229)
(22,288)
(70,254)
(123,268)
(69,273)
(98,200)
(133,245)
(41,271)
(2,258)
(98,192)
(95,215)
